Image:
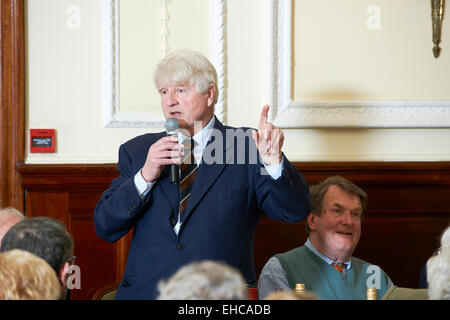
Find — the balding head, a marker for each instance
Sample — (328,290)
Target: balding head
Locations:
(8,217)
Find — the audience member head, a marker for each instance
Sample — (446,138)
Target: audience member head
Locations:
(45,237)
(438,270)
(206,280)
(445,238)
(8,217)
(290,295)
(24,276)
(334,225)
(438,275)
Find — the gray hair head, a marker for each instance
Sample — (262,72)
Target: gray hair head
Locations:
(438,275)
(206,280)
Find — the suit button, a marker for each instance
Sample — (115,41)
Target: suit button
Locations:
(180,246)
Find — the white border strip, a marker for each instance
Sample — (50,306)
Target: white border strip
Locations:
(297,114)
(113,117)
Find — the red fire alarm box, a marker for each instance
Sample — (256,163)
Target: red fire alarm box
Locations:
(42,140)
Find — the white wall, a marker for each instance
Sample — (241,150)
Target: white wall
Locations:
(64,89)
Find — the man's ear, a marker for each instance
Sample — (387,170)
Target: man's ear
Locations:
(312,220)
(63,273)
(211,93)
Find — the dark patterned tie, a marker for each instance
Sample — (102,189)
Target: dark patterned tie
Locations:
(188,172)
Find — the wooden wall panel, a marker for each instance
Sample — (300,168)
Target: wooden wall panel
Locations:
(12,101)
(408,208)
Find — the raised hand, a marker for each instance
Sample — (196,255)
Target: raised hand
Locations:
(268,139)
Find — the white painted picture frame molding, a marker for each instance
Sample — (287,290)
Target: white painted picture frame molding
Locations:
(287,113)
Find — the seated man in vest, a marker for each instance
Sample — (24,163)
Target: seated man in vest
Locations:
(325,263)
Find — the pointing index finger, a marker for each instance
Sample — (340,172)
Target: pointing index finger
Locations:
(264,117)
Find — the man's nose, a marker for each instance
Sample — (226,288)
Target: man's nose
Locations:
(171,99)
(347,218)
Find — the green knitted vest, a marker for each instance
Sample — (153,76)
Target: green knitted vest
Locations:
(303,266)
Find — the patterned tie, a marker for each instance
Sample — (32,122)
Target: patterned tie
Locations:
(188,172)
(338,266)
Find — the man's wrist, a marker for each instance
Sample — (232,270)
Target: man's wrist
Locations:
(143,187)
(274,170)
(148,180)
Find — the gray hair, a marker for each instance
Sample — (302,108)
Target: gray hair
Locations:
(187,66)
(445,238)
(438,275)
(438,270)
(206,280)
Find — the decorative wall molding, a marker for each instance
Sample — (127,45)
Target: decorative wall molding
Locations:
(218,50)
(287,113)
(113,116)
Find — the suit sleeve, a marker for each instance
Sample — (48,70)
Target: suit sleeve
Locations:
(286,198)
(118,208)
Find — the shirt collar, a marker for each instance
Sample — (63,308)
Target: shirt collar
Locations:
(311,247)
(201,138)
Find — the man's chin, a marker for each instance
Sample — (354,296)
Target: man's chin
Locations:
(345,248)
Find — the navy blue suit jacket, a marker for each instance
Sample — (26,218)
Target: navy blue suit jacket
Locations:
(219,223)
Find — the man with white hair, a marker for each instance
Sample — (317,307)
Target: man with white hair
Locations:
(234,175)
(438,270)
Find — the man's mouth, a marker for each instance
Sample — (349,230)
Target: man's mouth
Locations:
(344,233)
(175,114)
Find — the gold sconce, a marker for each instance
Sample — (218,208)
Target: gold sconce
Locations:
(437,14)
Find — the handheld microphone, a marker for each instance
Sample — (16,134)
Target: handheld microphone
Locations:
(172,127)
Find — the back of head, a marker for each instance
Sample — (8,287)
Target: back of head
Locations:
(187,66)
(205,280)
(445,238)
(45,237)
(11,212)
(438,275)
(24,276)
(8,217)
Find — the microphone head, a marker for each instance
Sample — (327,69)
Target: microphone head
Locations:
(172,125)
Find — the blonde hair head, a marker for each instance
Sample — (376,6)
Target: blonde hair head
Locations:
(24,276)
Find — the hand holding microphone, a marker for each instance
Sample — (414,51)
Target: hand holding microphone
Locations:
(165,151)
